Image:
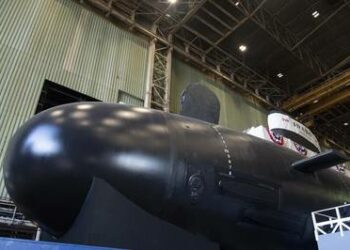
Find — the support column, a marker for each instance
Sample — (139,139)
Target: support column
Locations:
(150,63)
(158,76)
(168,79)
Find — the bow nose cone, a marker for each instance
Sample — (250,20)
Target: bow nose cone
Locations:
(40,175)
(53,158)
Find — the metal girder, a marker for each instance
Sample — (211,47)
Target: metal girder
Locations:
(333,139)
(227,55)
(161,77)
(325,89)
(193,5)
(222,38)
(239,24)
(158,75)
(222,22)
(331,73)
(331,124)
(254,82)
(159,18)
(149,81)
(128,7)
(212,27)
(223,11)
(274,92)
(338,133)
(329,116)
(102,6)
(324,21)
(282,35)
(188,16)
(326,103)
(327,125)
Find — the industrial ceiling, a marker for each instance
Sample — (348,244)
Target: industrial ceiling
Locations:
(288,55)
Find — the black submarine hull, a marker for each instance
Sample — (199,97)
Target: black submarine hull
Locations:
(235,189)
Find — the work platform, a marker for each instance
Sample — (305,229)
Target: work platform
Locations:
(16,244)
(332,228)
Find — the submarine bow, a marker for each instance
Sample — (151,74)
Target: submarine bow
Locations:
(196,175)
(53,158)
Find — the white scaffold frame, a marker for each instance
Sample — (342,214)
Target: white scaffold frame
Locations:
(331,218)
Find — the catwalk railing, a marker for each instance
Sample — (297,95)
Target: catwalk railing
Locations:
(331,220)
(14,224)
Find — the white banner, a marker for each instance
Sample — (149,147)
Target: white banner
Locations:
(292,129)
(268,135)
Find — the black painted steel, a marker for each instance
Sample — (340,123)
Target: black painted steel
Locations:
(235,189)
(109,219)
(320,161)
(197,101)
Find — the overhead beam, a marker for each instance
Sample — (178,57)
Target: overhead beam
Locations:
(324,21)
(212,27)
(222,22)
(104,7)
(239,24)
(336,119)
(327,103)
(325,75)
(335,133)
(188,16)
(284,36)
(272,90)
(325,89)
(229,55)
(335,125)
(337,145)
(159,18)
(223,10)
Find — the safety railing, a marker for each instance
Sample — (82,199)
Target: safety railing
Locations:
(13,221)
(331,220)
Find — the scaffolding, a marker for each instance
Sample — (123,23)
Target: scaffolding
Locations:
(331,220)
(159,72)
(13,224)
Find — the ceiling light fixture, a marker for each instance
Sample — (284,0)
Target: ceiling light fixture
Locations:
(242,48)
(315,14)
(316,101)
(346,123)
(280,75)
(236,3)
(167,15)
(172,1)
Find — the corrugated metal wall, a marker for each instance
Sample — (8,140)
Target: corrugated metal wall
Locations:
(236,112)
(60,41)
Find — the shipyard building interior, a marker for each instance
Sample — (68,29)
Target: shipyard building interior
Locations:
(174,124)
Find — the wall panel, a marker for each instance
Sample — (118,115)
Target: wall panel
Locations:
(61,41)
(235,113)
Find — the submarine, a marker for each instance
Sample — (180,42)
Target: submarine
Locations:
(233,188)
